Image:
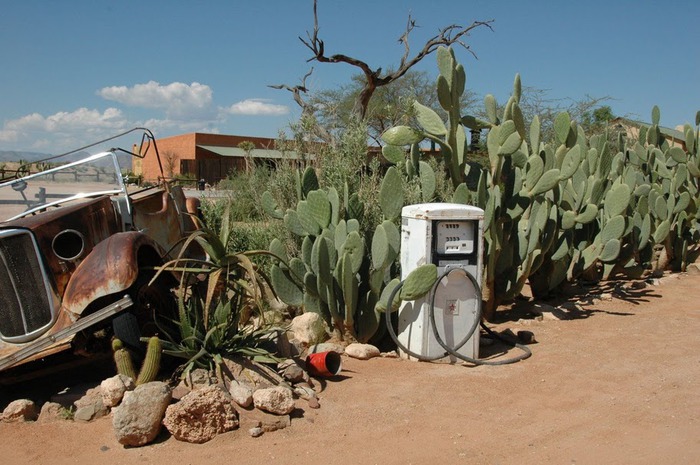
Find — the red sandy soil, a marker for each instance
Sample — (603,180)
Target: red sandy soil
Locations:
(617,384)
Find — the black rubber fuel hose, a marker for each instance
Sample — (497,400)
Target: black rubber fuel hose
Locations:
(453,350)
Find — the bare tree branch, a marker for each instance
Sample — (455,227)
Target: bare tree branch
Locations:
(404,39)
(297,91)
(308,110)
(446,36)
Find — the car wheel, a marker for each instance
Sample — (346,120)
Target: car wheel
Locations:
(154,308)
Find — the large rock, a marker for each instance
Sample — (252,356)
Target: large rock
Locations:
(277,400)
(309,329)
(201,415)
(20,410)
(113,389)
(362,351)
(137,420)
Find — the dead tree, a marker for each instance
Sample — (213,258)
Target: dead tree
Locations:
(374,78)
(308,110)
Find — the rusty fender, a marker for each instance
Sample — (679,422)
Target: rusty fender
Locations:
(111,267)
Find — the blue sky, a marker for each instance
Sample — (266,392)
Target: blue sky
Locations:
(75,71)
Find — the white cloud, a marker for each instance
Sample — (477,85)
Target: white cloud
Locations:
(169,109)
(33,131)
(168,126)
(257,107)
(179,100)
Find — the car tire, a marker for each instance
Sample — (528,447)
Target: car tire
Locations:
(151,301)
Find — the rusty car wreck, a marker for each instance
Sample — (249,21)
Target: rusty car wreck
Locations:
(77,252)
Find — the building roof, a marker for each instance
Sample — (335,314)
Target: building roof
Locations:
(226,151)
(673,133)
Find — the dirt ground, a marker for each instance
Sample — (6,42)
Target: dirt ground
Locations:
(617,384)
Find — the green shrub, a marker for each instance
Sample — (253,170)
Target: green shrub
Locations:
(244,190)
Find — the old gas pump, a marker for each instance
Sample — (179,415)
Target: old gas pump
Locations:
(451,237)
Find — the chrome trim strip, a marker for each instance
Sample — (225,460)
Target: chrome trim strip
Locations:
(83,323)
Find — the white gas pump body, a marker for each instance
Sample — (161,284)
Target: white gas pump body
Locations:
(450,236)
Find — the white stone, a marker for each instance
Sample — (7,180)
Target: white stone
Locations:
(277,400)
(241,394)
(362,351)
(113,389)
(309,329)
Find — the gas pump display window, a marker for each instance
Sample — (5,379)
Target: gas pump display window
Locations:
(454,237)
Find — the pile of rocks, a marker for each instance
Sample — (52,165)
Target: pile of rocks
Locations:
(243,394)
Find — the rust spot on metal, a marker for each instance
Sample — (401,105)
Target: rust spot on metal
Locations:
(164,224)
(110,268)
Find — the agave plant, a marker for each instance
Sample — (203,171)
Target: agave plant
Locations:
(203,341)
(214,294)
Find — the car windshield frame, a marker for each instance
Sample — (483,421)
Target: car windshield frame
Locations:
(93,176)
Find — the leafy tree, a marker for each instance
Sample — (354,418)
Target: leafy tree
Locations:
(248,147)
(597,120)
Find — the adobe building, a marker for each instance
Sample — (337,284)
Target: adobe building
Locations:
(208,156)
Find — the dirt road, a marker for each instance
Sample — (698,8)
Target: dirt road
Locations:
(618,384)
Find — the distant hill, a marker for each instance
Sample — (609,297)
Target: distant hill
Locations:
(9,156)
(15,155)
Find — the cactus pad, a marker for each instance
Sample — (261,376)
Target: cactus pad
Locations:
(427,182)
(291,221)
(309,181)
(391,194)
(285,287)
(319,207)
(393,154)
(402,135)
(269,205)
(383,302)
(429,120)
(354,246)
(419,282)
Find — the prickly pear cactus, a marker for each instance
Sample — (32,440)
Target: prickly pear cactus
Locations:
(450,135)
(340,273)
